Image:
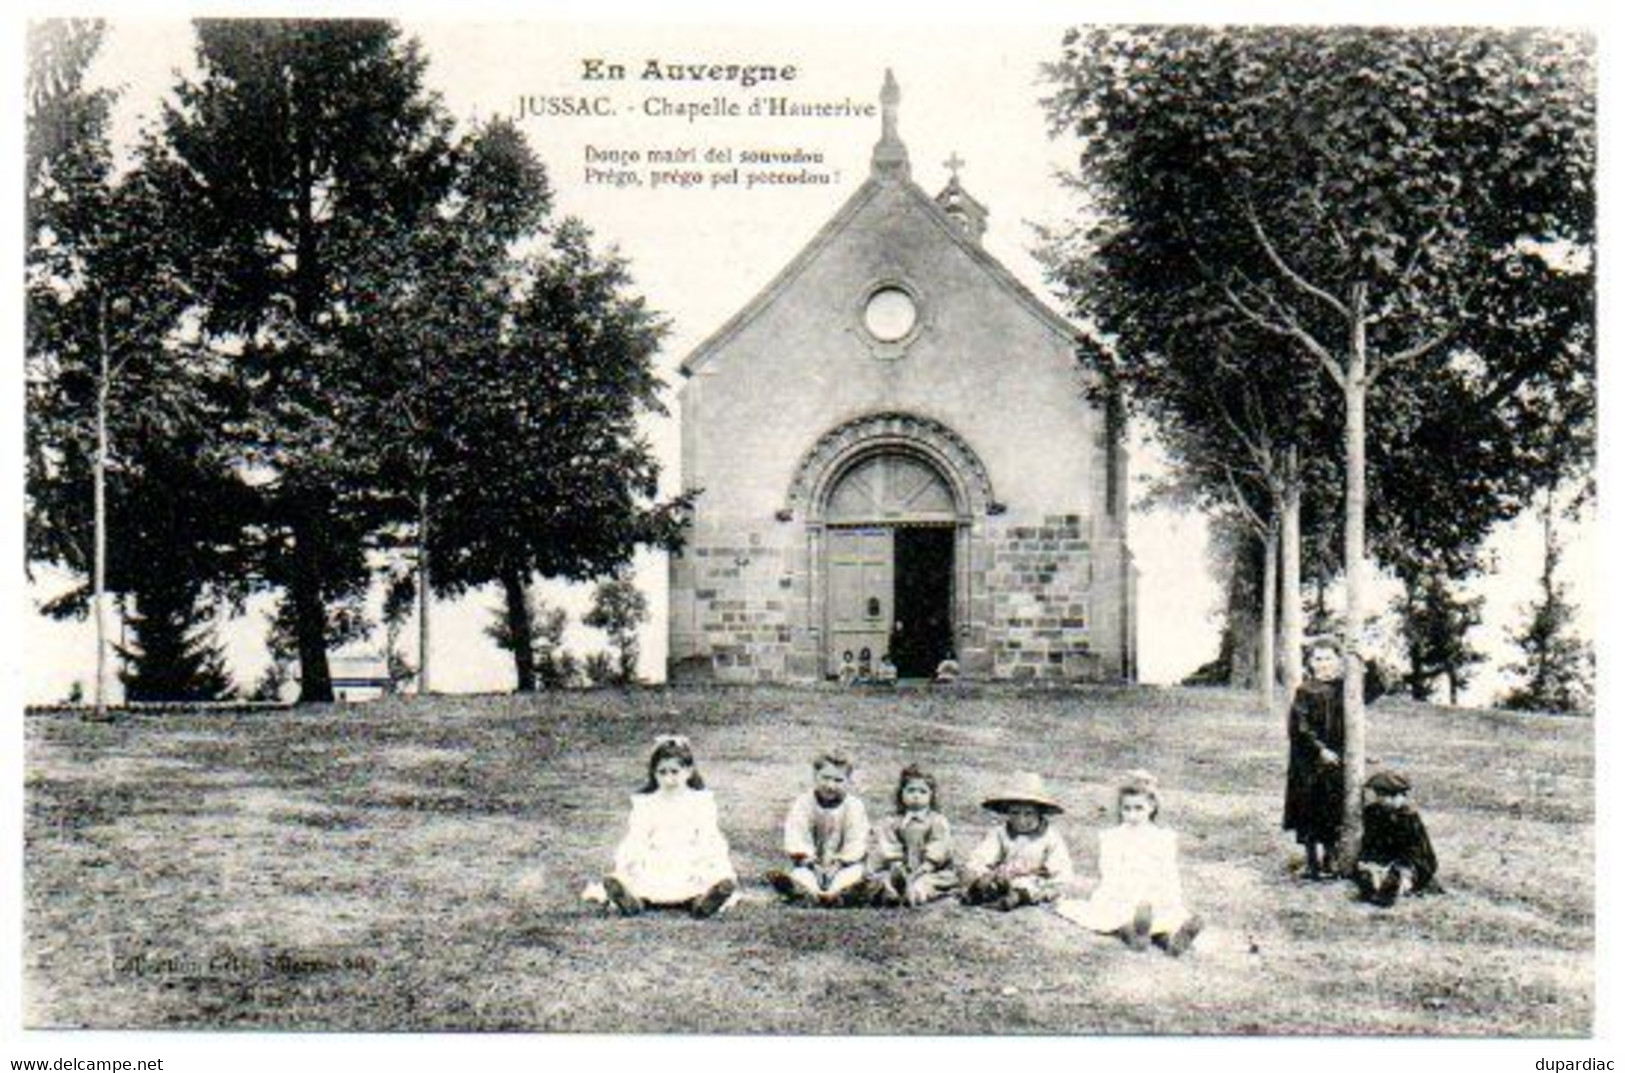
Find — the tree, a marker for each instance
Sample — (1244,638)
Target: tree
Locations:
(552,476)
(1556,668)
(1435,618)
(68,182)
(1398,205)
(550,665)
(296,145)
(618,608)
(127,485)
(174,657)
(443,291)
(1237,417)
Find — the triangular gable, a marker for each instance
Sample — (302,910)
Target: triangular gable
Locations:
(827,234)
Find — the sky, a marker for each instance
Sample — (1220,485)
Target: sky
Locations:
(701,247)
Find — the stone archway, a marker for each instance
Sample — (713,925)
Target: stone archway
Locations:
(893,506)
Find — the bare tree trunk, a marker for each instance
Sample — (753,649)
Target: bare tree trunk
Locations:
(1266,618)
(425,596)
(99,550)
(1354,397)
(1539,682)
(1291,578)
(309,613)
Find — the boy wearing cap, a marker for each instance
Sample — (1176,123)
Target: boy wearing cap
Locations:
(1024,861)
(1396,855)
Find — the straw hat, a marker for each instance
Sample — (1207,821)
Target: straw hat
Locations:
(1025,788)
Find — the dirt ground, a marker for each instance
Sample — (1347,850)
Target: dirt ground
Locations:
(414,864)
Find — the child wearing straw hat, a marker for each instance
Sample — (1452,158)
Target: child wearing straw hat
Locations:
(1023,861)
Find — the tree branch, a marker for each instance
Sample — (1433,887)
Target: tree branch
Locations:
(1246,508)
(1290,331)
(1286,269)
(1257,448)
(1331,221)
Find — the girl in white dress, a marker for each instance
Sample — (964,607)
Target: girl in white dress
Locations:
(674,854)
(1138,898)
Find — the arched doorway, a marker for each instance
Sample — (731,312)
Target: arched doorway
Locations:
(890,545)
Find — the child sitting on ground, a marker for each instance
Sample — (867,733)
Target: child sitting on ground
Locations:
(1023,861)
(674,854)
(1396,855)
(848,674)
(1138,898)
(886,671)
(826,836)
(913,848)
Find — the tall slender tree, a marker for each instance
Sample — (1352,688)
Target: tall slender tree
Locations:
(444,295)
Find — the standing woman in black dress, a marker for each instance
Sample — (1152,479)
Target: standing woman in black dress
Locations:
(1315,771)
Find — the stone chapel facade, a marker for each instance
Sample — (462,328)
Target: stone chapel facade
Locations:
(895,453)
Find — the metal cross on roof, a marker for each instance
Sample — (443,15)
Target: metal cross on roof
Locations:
(953,164)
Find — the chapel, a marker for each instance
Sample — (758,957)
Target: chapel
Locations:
(896,452)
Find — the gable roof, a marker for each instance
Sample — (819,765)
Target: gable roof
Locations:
(827,234)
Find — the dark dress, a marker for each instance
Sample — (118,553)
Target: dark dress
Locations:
(1396,836)
(1314,788)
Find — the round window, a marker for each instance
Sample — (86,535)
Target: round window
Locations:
(890,314)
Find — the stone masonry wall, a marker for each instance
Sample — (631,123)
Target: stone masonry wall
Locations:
(1041,594)
(738,593)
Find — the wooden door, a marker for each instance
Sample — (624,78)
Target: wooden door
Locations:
(860,592)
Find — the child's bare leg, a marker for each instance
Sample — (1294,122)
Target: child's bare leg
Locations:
(845,877)
(1182,938)
(1396,880)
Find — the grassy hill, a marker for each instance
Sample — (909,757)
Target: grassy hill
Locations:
(416,864)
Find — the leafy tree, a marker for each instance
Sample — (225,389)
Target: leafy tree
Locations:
(128,485)
(174,656)
(1400,206)
(550,664)
(297,144)
(1435,617)
(601,669)
(443,292)
(619,608)
(1238,417)
(552,476)
(1557,668)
